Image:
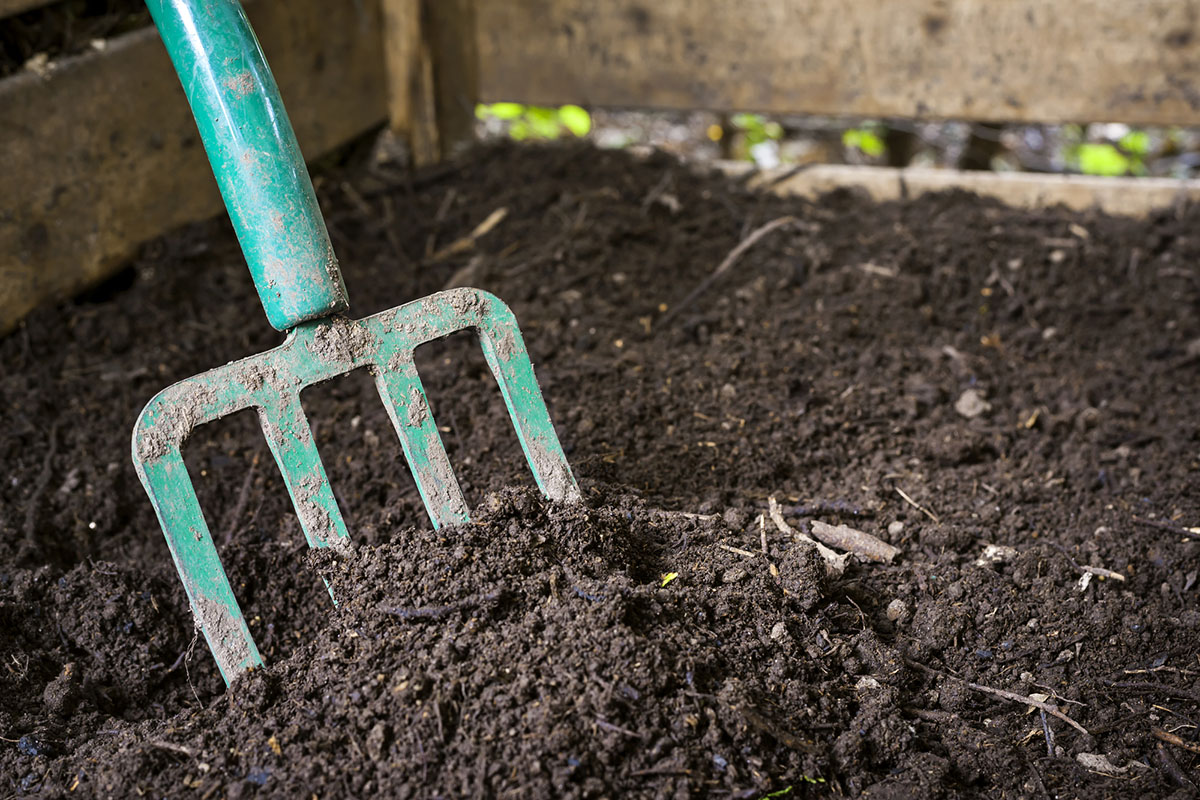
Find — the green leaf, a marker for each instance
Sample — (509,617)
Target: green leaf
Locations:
(745,121)
(541,114)
(773,130)
(506,110)
(575,119)
(668,577)
(542,122)
(778,793)
(1136,143)
(519,130)
(1101,159)
(865,141)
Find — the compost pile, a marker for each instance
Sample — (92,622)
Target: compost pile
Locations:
(1007,397)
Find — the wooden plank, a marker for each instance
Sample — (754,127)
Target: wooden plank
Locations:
(1133,197)
(450,33)
(103,154)
(10,8)
(1134,61)
(411,103)
(433,75)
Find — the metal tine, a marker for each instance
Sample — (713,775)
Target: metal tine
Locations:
(271,382)
(291,441)
(506,355)
(407,406)
(211,597)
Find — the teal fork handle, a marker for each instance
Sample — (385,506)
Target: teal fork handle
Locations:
(254,156)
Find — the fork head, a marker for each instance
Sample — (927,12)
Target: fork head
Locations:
(271,382)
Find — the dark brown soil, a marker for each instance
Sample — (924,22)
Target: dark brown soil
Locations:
(542,651)
(65,28)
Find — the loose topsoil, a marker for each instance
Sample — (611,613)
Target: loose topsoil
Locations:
(944,373)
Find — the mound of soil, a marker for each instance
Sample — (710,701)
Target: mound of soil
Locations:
(1007,397)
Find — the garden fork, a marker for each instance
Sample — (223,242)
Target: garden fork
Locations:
(266,188)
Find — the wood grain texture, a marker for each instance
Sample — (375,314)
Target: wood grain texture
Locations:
(103,154)
(450,32)
(1132,197)
(1134,61)
(412,108)
(433,73)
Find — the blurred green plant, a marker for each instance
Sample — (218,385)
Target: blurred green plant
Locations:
(1101,158)
(1126,157)
(537,122)
(756,129)
(867,140)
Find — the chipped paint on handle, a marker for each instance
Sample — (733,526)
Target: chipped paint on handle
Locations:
(254,156)
(271,382)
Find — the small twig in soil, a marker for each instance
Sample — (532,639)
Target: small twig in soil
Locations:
(438,612)
(1097,571)
(835,564)
(179,660)
(818,507)
(762,723)
(1001,693)
(1150,686)
(863,544)
(467,242)
(354,743)
(187,670)
(1170,738)
(43,482)
(1167,526)
(608,726)
(762,533)
(657,191)
(724,266)
(1049,733)
(685,515)
(1172,768)
(660,771)
(174,748)
(730,548)
(932,715)
(917,505)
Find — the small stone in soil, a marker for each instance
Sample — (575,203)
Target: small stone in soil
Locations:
(971,404)
(734,574)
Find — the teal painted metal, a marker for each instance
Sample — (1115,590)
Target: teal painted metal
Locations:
(270,199)
(254,156)
(271,383)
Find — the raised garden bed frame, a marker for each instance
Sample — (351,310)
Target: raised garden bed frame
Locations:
(101,153)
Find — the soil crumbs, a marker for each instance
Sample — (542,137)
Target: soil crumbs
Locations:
(1008,397)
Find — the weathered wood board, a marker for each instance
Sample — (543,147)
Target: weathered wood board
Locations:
(1131,197)
(1134,61)
(433,73)
(103,154)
